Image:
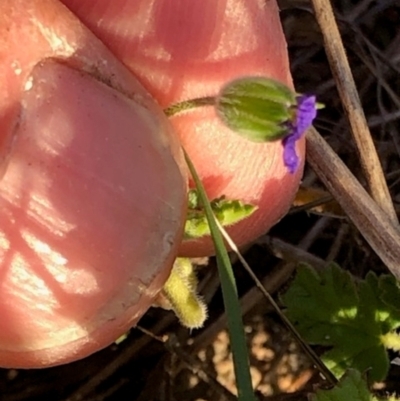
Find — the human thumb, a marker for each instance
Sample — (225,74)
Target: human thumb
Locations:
(92,197)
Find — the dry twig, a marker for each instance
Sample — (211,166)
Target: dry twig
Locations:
(351,101)
(368,217)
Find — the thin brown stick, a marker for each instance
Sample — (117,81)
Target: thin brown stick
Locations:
(291,253)
(329,376)
(194,365)
(272,282)
(367,216)
(348,93)
(109,369)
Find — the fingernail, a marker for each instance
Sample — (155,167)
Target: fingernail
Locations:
(74,116)
(7,138)
(78,137)
(97,200)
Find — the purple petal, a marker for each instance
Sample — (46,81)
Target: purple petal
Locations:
(290,158)
(305,114)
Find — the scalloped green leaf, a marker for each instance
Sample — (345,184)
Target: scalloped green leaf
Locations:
(390,288)
(331,308)
(352,387)
(228,212)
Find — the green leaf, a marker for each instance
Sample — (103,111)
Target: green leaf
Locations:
(257,108)
(331,308)
(228,212)
(390,291)
(352,387)
(196,225)
(193,200)
(230,296)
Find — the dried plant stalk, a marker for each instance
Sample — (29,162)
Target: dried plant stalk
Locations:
(347,90)
(373,223)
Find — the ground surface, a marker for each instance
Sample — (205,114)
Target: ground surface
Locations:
(197,366)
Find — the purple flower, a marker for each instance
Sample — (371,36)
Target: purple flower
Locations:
(305,113)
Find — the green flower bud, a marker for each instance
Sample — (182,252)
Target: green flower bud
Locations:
(257,108)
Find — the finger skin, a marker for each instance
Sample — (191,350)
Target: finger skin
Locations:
(187,49)
(93,191)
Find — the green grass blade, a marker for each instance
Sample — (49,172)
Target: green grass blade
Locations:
(230,296)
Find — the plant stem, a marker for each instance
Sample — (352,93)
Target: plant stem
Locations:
(189,104)
(351,101)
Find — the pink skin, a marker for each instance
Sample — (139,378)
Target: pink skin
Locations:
(190,50)
(93,184)
(83,246)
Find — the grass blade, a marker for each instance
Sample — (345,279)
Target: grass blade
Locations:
(230,296)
